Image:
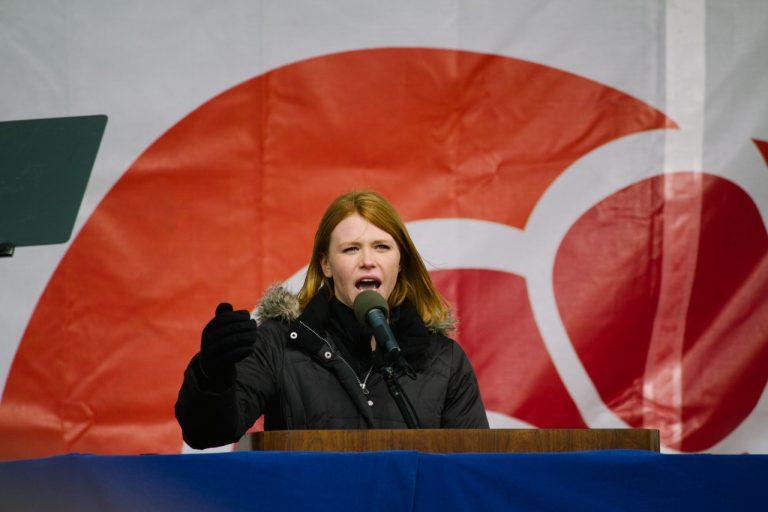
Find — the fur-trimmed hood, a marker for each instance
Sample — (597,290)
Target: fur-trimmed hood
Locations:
(278,303)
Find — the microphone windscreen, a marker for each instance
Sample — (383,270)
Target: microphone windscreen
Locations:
(366,301)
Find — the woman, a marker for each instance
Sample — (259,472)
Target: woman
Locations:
(310,365)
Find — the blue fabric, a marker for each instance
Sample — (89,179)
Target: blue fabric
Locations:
(391,481)
(592,481)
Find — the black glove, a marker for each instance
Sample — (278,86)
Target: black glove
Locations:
(227,339)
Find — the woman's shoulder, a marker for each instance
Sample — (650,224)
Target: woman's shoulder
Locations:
(445,345)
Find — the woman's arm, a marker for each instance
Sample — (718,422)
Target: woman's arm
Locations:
(463,404)
(212,415)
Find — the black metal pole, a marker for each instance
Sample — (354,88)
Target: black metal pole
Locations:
(6,249)
(400,398)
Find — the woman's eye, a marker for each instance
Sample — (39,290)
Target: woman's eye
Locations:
(382,246)
(350,249)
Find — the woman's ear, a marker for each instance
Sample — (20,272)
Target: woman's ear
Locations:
(325,266)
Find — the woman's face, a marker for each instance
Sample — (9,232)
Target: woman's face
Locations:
(361,257)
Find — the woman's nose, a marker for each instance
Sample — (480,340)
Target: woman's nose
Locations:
(367,258)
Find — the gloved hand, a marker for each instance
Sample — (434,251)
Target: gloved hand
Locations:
(227,339)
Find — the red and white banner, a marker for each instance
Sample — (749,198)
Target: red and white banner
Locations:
(588,182)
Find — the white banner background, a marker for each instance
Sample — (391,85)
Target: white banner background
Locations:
(147,65)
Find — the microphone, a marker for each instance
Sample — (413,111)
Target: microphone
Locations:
(371,310)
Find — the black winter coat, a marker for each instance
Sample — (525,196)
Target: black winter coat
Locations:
(298,379)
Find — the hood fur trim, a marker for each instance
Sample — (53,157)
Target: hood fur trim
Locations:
(445,327)
(278,303)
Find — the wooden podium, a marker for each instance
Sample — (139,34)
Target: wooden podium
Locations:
(454,440)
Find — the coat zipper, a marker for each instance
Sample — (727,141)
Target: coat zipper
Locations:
(360,383)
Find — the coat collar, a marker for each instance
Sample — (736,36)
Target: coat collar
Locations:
(280,304)
(309,325)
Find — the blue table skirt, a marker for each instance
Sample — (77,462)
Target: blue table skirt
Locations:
(387,481)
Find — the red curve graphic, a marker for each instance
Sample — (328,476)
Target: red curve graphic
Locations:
(226,202)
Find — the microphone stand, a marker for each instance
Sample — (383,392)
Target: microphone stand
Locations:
(371,310)
(398,393)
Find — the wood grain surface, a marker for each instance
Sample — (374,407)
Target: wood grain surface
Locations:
(455,440)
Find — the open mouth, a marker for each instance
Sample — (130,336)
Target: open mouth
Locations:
(367,283)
